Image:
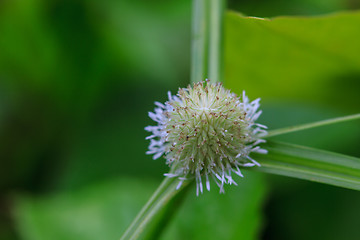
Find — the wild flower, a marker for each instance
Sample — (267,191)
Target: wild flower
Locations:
(206,131)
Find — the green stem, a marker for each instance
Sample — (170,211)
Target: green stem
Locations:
(207,40)
(199,41)
(168,212)
(156,195)
(163,201)
(281,131)
(215,64)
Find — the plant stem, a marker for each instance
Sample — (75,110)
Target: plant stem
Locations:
(199,41)
(168,194)
(158,192)
(207,40)
(311,125)
(215,64)
(168,212)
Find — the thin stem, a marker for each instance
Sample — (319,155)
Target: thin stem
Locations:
(311,125)
(158,192)
(215,64)
(168,212)
(199,41)
(163,201)
(207,40)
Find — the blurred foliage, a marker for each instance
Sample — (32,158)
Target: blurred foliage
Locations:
(296,58)
(266,8)
(68,85)
(234,215)
(299,210)
(299,59)
(103,211)
(78,77)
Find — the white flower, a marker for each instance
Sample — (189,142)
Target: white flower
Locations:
(206,131)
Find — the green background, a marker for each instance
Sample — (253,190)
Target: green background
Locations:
(77,79)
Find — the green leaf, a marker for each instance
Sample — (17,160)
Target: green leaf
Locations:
(289,7)
(314,59)
(102,211)
(237,214)
(310,164)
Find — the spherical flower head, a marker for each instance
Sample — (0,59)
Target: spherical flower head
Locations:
(206,131)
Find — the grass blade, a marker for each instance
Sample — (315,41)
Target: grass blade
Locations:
(310,164)
(296,128)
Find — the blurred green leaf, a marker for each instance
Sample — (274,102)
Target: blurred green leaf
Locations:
(233,215)
(102,211)
(147,38)
(299,210)
(313,59)
(266,8)
(310,164)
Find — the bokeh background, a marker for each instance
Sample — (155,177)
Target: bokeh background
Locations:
(77,79)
